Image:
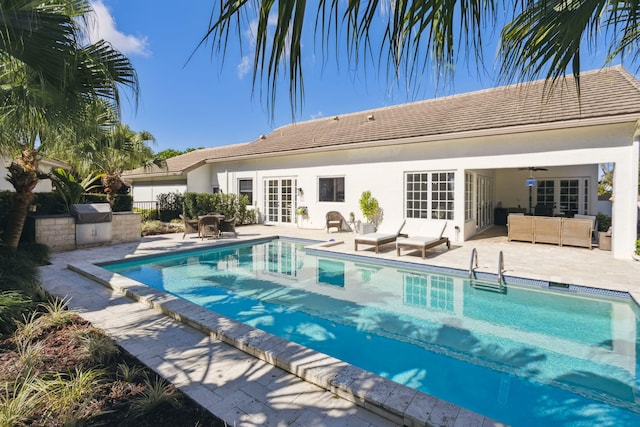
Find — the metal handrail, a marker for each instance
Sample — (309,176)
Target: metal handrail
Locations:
(474,255)
(500,267)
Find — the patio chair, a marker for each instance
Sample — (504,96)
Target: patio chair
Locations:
(429,235)
(388,232)
(228,226)
(190,226)
(336,220)
(209,226)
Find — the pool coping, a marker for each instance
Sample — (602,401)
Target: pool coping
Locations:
(396,402)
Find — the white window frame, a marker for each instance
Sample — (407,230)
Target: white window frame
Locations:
(423,198)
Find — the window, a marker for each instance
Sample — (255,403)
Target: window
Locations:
(245,188)
(569,192)
(331,189)
(429,195)
(568,196)
(545,193)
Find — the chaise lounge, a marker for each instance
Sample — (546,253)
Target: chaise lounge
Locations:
(428,235)
(388,232)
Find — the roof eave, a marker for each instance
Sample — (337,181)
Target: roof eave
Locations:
(538,127)
(153,174)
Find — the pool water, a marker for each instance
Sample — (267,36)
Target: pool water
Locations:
(527,357)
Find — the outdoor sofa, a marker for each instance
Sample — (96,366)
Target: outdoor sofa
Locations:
(554,230)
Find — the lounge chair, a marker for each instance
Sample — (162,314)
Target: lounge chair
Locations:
(190,226)
(387,232)
(428,235)
(336,220)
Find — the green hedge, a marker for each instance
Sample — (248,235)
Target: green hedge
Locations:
(170,206)
(230,205)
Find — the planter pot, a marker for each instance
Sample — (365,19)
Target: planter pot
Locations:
(636,257)
(366,228)
(604,241)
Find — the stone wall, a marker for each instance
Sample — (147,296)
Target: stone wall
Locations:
(59,232)
(126,227)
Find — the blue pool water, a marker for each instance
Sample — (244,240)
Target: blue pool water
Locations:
(529,357)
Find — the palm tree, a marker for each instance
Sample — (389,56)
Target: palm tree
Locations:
(543,39)
(123,149)
(101,144)
(46,79)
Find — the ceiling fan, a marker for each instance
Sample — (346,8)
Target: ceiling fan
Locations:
(533,169)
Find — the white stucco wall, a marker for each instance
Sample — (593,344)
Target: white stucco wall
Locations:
(148,191)
(381,169)
(565,152)
(43,186)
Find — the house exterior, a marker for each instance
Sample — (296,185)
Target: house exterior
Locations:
(456,158)
(43,186)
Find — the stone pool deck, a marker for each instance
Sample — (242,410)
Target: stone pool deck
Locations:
(200,352)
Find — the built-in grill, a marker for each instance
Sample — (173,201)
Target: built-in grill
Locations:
(93,223)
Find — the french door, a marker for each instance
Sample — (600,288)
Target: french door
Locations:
(484,202)
(279,200)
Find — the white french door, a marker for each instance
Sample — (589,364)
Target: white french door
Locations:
(279,200)
(484,201)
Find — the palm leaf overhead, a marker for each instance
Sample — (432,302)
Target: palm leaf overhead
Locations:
(42,34)
(411,38)
(416,34)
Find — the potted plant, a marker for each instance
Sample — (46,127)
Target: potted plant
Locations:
(369,207)
(301,210)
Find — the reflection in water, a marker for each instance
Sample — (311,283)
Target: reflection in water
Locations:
(331,272)
(527,357)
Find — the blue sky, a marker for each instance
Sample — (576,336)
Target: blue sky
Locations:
(203,102)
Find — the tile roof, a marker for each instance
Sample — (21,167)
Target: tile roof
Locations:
(607,93)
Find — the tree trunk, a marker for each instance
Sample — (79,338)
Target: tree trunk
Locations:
(112,183)
(23,174)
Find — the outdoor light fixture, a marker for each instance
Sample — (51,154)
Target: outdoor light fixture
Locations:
(300,192)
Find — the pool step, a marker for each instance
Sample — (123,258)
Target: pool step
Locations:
(484,285)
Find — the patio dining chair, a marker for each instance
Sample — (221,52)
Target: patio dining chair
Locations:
(190,226)
(209,226)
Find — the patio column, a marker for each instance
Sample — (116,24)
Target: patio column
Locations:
(625,203)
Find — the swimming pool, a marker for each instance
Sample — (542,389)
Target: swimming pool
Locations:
(530,356)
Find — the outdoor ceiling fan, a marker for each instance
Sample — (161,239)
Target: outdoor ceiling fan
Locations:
(531,182)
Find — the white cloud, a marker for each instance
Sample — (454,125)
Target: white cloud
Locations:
(105,28)
(317,115)
(244,66)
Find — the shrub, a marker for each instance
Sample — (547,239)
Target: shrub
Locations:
(157,394)
(604,222)
(230,205)
(18,272)
(368,205)
(638,247)
(170,206)
(14,305)
(147,214)
(36,252)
